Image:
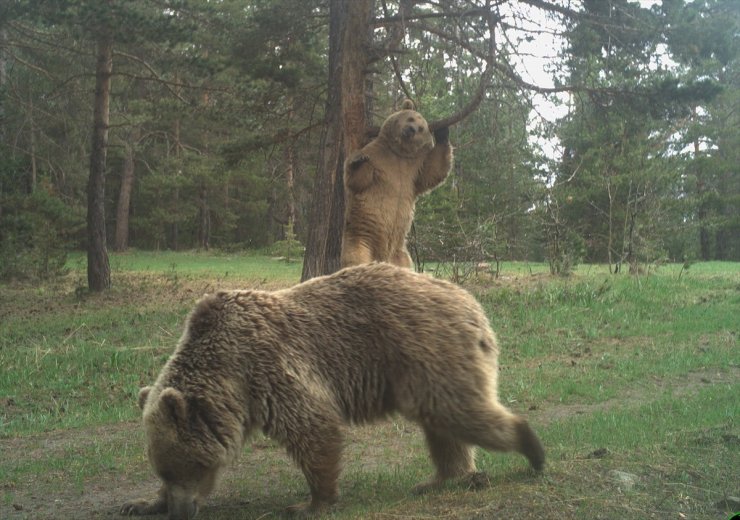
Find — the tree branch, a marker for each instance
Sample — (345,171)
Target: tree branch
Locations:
(395,38)
(547,6)
(153,72)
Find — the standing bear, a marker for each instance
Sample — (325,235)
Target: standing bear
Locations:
(381,184)
(299,364)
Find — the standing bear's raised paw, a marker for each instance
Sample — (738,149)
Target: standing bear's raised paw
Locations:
(442,135)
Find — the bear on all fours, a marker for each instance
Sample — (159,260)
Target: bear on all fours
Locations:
(301,363)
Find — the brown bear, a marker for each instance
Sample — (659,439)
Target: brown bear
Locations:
(301,363)
(381,184)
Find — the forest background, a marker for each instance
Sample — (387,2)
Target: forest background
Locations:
(196,124)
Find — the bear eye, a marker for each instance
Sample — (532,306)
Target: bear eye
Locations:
(410,120)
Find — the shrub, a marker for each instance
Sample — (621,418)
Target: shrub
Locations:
(34,229)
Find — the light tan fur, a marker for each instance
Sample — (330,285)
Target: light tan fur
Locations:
(300,363)
(382,182)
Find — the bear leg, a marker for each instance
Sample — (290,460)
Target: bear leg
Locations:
(453,460)
(321,467)
(355,253)
(530,445)
(496,428)
(402,258)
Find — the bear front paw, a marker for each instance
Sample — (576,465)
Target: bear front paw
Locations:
(144,507)
(311,509)
(356,161)
(442,135)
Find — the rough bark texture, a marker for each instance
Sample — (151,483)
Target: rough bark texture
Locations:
(98,265)
(204,229)
(355,59)
(344,130)
(3,81)
(124,198)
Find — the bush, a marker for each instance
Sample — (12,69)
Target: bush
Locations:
(34,234)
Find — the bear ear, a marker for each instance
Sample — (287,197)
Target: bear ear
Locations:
(174,403)
(143,394)
(407,105)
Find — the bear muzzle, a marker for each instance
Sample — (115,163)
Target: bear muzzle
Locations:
(181,510)
(408,132)
(182,504)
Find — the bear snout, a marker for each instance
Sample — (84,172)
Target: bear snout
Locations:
(181,509)
(408,132)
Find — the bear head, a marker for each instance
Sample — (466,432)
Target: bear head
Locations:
(182,448)
(406,132)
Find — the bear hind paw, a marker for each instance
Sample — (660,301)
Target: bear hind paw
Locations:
(472,481)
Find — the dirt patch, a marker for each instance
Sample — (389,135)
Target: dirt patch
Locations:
(367,449)
(132,289)
(634,396)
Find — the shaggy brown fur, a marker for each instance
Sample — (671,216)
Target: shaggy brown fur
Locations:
(382,182)
(300,363)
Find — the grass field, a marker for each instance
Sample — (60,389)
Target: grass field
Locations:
(631,382)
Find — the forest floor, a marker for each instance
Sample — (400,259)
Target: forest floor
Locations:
(631,384)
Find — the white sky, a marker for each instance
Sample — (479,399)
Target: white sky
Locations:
(538,57)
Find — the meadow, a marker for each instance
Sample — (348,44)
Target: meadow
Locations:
(630,381)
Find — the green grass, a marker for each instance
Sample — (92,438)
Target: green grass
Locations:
(646,367)
(223,266)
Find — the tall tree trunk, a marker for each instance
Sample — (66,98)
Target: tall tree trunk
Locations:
(176,195)
(345,125)
(289,159)
(3,80)
(3,95)
(610,238)
(32,142)
(355,59)
(124,195)
(204,229)
(98,265)
(325,198)
(705,243)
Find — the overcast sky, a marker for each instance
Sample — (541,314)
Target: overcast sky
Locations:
(537,59)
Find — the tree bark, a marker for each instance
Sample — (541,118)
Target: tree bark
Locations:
(3,79)
(204,229)
(289,160)
(124,195)
(98,265)
(32,143)
(345,124)
(176,194)
(3,96)
(355,58)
